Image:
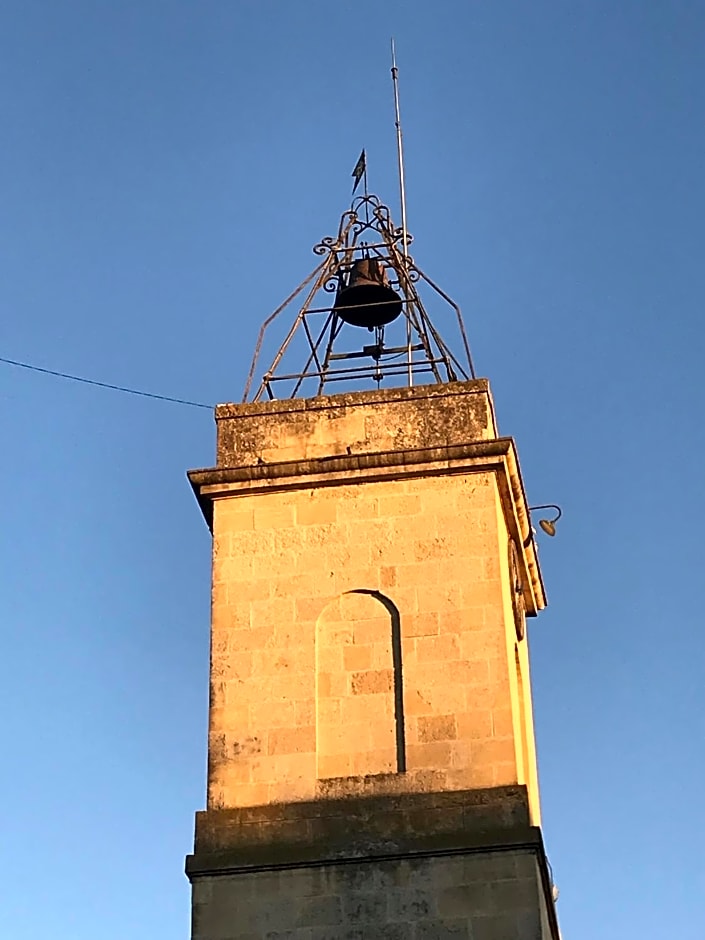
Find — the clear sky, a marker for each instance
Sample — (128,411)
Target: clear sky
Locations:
(165,168)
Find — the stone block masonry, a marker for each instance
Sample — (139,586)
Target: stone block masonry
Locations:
(371,754)
(468,897)
(364,597)
(462,865)
(321,654)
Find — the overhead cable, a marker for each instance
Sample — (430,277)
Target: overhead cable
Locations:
(115,388)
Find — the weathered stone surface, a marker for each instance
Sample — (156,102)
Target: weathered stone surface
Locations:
(355,825)
(371,755)
(357,422)
(350,643)
(497,895)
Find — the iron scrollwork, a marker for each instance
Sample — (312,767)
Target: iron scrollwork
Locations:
(419,347)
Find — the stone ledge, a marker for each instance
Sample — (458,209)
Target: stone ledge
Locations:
(343,469)
(345,464)
(271,858)
(497,455)
(360,827)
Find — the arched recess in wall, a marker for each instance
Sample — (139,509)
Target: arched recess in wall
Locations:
(359,687)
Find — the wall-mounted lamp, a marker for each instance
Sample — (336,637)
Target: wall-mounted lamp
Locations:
(547,525)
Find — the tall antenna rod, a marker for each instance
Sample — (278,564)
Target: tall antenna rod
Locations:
(400,149)
(402,199)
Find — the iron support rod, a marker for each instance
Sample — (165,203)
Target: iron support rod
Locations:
(273,316)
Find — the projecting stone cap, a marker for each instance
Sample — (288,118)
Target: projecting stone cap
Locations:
(422,417)
(360,827)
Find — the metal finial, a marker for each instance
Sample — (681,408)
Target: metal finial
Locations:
(402,193)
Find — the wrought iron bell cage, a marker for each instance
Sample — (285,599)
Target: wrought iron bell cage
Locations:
(373,283)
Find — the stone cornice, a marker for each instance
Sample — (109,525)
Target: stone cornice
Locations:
(498,456)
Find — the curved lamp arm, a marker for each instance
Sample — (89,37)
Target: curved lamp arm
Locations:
(547,525)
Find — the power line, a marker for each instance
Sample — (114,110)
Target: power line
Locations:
(115,388)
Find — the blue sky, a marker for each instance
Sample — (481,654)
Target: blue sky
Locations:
(166,168)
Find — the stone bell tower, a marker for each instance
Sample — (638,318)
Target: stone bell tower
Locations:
(372,770)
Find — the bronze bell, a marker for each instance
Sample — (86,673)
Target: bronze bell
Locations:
(368,300)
